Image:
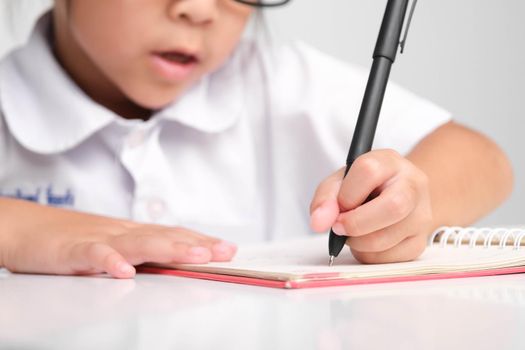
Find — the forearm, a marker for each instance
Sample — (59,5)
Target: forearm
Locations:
(8,214)
(41,239)
(468,174)
(15,214)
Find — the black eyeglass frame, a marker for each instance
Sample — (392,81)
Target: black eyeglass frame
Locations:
(255,4)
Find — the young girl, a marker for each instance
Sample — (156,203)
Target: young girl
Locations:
(137,131)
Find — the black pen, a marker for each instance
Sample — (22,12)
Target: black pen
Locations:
(384,56)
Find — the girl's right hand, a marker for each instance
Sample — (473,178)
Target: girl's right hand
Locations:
(39,239)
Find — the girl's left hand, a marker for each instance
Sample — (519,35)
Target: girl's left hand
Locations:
(394,225)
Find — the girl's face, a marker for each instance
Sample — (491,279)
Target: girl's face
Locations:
(149,50)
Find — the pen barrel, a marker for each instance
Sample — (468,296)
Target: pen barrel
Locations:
(391,28)
(365,128)
(384,56)
(370,110)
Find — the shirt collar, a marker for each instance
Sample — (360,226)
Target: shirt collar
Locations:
(48,113)
(44,109)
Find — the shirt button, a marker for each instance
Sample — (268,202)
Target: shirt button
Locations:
(136,138)
(156,208)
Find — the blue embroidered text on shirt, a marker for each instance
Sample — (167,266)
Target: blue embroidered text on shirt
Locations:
(28,196)
(67,199)
(20,194)
(50,198)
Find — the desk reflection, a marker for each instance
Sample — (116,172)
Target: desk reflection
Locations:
(165,312)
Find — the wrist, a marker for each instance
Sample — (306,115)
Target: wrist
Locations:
(7,214)
(3,232)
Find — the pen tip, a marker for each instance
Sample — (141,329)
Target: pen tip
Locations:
(331,262)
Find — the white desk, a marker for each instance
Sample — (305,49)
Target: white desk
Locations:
(165,312)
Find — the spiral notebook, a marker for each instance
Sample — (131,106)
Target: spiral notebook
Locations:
(453,252)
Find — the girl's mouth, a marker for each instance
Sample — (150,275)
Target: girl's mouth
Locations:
(174,65)
(178,57)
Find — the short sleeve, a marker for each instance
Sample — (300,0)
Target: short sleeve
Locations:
(327,94)
(406,119)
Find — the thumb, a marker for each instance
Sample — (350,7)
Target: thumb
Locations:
(324,208)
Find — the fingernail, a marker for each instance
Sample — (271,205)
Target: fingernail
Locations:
(198,251)
(224,247)
(339,229)
(319,212)
(125,268)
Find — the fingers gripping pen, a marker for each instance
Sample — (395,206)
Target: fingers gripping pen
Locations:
(384,56)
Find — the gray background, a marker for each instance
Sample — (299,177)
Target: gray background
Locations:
(468,56)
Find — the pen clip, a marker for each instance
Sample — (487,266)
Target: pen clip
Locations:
(403,41)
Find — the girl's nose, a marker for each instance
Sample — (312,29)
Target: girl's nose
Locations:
(194,11)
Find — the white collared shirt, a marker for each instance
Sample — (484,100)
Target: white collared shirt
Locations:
(238,156)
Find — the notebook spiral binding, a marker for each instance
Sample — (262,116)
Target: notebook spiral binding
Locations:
(477,236)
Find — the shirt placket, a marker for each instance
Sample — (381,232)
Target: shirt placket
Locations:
(143,158)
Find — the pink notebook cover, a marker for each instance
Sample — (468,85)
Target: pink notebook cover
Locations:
(323,280)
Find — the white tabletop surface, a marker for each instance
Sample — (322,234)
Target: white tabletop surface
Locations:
(166,312)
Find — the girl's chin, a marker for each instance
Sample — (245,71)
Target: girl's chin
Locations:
(153,101)
(150,93)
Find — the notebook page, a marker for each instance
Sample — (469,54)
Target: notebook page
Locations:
(308,258)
